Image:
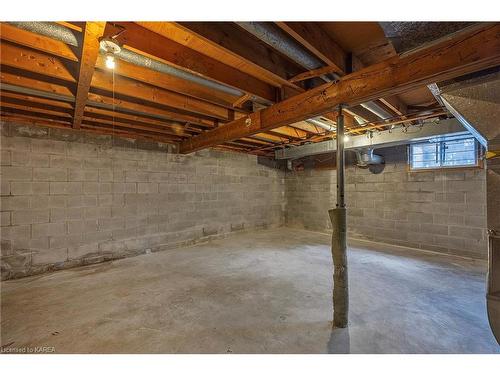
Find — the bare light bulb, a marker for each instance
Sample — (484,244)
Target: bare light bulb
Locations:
(346,138)
(110,62)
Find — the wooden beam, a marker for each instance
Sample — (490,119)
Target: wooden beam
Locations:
(169,82)
(94,128)
(100,128)
(270,137)
(227,42)
(34,108)
(313,38)
(146,123)
(124,105)
(318,42)
(314,73)
(241,100)
(36,62)
(18,80)
(290,132)
(76,26)
(36,41)
(22,104)
(124,86)
(383,124)
(307,127)
(90,49)
(395,105)
(150,41)
(120,124)
(463,54)
(34,113)
(23,98)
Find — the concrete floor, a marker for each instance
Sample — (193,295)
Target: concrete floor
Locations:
(265,292)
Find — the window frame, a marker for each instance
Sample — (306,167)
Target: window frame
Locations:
(441,141)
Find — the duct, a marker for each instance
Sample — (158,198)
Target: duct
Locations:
(321,124)
(146,62)
(282,43)
(366,158)
(49,29)
(66,35)
(377,110)
(385,138)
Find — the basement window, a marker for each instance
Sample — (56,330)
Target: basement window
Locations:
(444,152)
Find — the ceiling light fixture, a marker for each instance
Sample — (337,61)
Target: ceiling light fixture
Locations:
(110,61)
(110,47)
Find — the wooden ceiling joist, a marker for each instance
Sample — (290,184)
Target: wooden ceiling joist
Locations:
(39,109)
(85,127)
(99,128)
(90,50)
(148,39)
(119,123)
(459,55)
(270,137)
(314,73)
(165,127)
(127,133)
(318,42)
(153,111)
(228,42)
(6,100)
(36,41)
(41,83)
(32,100)
(29,83)
(169,82)
(58,118)
(104,80)
(37,62)
(290,132)
(395,105)
(34,113)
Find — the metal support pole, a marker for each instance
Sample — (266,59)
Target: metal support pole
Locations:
(340,160)
(339,237)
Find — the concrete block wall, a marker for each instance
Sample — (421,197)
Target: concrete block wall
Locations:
(69,198)
(441,210)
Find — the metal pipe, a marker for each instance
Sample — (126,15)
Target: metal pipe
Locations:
(340,159)
(367,157)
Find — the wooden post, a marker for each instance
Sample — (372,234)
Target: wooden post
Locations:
(339,236)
